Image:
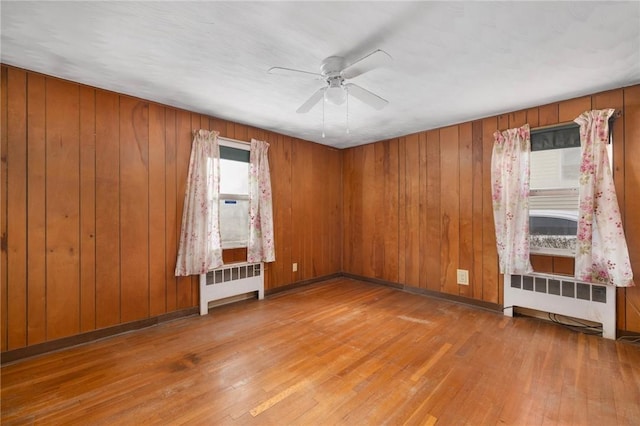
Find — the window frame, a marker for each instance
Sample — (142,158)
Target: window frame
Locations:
(244,146)
(561,252)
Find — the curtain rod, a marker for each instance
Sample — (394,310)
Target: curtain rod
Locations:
(616,114)
(194,131)
(234,140)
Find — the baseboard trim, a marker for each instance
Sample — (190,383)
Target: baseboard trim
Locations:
(303,283)
(67,342)
(91,336)
(494,307)
(373,280)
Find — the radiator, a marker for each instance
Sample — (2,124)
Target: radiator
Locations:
(230,280)
(563,296)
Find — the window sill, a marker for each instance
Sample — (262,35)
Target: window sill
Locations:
(234,246)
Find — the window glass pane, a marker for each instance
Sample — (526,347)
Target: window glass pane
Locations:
(553,204)
(555,168)
(234,200)
(564,136)
(553,231)
(552,225)
(554,183)
(234,154)
(234,177)
(234,223)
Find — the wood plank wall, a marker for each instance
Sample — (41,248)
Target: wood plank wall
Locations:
(92,196)
(418,207)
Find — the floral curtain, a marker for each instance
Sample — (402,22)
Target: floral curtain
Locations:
(260,247)
(200,248)
(510,193)
(601,255)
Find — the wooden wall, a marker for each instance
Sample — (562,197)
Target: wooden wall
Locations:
(418,207)
(92,195)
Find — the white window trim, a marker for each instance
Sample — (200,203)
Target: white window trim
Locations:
(560,252)
(234,143)
(234,196)
(245,146)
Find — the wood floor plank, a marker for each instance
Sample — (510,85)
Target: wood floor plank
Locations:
(337,352)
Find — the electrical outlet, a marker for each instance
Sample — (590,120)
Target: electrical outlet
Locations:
(463,277)
(294,267)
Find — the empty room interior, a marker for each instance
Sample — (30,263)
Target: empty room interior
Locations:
(317,213)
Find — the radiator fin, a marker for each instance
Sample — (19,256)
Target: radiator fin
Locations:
(233,273)
(569,288)
(229,281)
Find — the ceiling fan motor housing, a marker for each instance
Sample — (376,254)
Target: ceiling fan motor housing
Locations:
(332,66)
(331,69)
(335,71)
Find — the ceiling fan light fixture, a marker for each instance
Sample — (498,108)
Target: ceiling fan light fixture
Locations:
(335,95)
(335,71)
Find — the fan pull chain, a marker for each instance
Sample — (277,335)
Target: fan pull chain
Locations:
(323,102)
(347,110)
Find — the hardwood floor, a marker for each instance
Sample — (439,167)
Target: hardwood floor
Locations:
(338,352)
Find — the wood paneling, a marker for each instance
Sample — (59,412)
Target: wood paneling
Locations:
(542,263)
(632,201)
(402,209)
(490,282)
(134,209)
(548,115)
(371,211)
(465,228)
(432,236)
(387,216)
(107,210)
(410,214)
(36,208)
(157,211)
(92,200)
(234,255)
(171,210)
(63,209)
(352,210)
(564,265)
(425,245)
(569,110)
(475,275)
(4,146)
(93,192)
(315,210)
(16,236)
(445,210)
(280,272)
(304,230)
(87,209)
(518,119)
(183,152)
(449,208)
(533,117)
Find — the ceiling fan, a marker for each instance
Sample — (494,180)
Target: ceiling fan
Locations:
(335,71)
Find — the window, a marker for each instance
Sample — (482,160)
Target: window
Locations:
(554,183)
(234,194)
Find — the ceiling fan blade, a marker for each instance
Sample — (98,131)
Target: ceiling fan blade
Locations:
(295,73)
(310,103)
(366,96)
(373,60)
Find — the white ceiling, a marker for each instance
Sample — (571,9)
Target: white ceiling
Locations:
(452,61)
